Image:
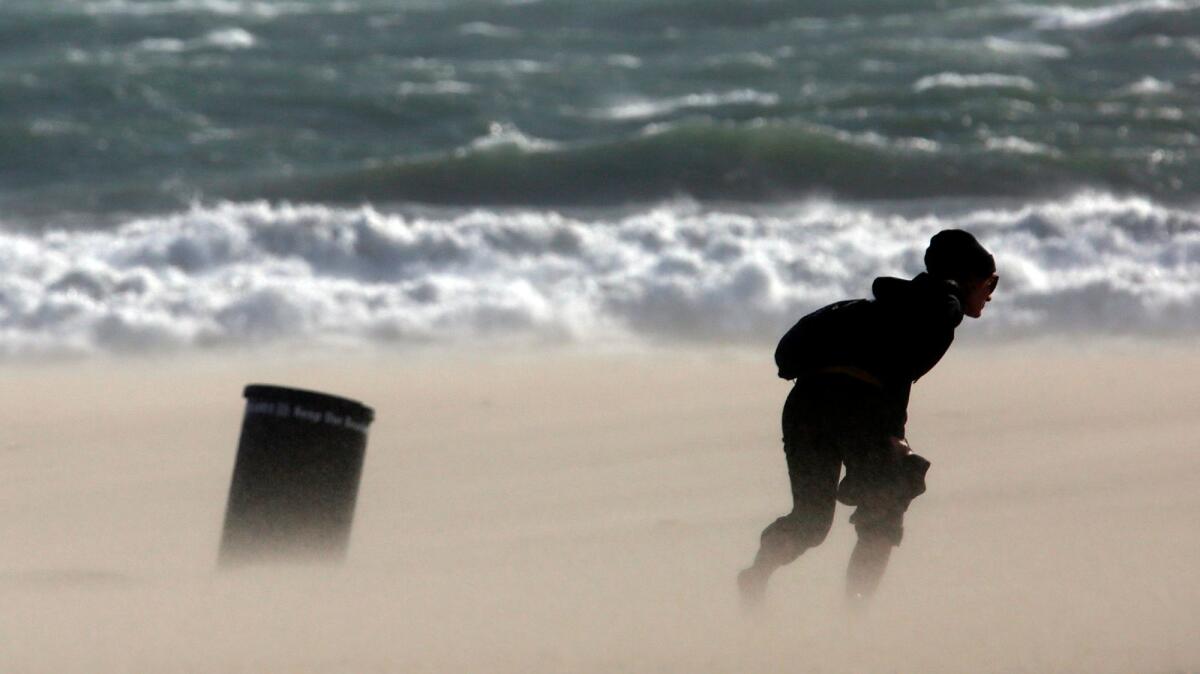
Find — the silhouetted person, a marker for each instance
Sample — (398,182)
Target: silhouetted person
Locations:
(854,363)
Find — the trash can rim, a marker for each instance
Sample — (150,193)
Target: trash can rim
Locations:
(299,396)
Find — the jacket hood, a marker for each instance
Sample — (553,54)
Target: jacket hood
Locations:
(888,289)
(924,294)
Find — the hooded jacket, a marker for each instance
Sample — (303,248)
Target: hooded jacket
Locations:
(916,322)
(893,339)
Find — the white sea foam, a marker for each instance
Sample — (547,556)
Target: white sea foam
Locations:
(510,67)
(55,127)
(1066,17)
(168,45)
(628,61)
(229,39)
(254,8)
(1026,49)
(1148,86)
(484,29)
(644,109)
(752,59)
(439,88)
(950,80)
(508,135)
(877,140)
(257,273)
(1018,145)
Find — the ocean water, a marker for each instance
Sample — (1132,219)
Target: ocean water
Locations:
(179,174)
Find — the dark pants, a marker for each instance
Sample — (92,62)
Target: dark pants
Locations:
(828,422)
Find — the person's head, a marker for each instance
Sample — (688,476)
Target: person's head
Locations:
(955,255)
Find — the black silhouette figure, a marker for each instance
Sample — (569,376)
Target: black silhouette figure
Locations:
(854,363)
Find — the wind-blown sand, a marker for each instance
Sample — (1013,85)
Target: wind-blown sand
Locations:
(587,513)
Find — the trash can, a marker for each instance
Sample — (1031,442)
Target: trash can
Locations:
(295,480)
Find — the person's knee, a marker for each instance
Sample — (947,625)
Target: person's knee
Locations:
(814,531)
(798,531)
(879,527)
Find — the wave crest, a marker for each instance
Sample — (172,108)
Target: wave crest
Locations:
(250,273)
(746,162)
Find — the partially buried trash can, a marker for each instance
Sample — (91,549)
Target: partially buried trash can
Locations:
(295,480)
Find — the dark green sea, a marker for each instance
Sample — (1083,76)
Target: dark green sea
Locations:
(180,173)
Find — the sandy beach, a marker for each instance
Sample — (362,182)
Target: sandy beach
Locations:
(572,512)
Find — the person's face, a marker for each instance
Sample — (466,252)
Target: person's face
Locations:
(979,293)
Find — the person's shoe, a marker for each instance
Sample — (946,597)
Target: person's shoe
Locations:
(752,586)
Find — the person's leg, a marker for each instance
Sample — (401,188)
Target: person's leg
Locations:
(813,469)
(879,483)
(879,522)
(867,564)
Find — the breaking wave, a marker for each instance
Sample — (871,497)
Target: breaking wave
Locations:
(256,273)
(1135,16)
(745,162)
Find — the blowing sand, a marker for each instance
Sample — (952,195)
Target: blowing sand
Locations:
(588,513)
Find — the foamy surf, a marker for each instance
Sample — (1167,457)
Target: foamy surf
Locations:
(257,273)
